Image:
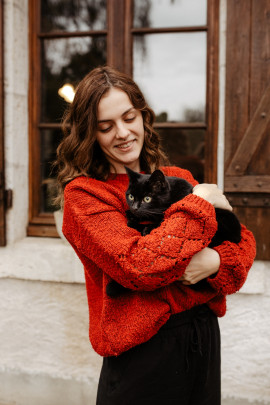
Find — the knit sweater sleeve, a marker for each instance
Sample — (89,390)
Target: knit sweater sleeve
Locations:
(235,262)
(96,226)
(235,259)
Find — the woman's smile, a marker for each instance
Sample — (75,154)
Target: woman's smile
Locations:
(126,146)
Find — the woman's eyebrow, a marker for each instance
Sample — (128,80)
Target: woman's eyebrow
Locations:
(124,113)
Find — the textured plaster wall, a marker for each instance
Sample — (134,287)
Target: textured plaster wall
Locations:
(16,113)
(45,355)
(245,336)
(44,343)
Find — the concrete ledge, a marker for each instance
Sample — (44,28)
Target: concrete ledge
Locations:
(231,401)
(17,388)
(256,281)
(41,259)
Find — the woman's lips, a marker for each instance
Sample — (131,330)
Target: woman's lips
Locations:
(125,145)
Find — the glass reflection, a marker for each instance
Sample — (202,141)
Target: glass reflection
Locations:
(171,71)
(66,61)
(49,140)
(73,15)
(185,148)
(169,13)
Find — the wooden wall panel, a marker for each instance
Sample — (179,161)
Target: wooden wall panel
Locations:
(247,122)
(237,74)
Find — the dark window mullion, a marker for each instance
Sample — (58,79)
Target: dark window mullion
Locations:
(149,30)
(67,34)
(181,125)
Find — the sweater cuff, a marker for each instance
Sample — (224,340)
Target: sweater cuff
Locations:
(221,281)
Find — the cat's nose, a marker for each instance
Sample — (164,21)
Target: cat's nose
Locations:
(135,206)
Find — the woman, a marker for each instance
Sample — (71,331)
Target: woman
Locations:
(160,341)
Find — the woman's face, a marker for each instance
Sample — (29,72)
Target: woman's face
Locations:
(120,131)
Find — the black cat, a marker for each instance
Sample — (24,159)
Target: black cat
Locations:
(148,197)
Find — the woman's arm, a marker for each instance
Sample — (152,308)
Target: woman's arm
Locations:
(202,265)
(226,266)
(96,227)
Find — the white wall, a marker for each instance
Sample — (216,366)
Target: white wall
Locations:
(45,355)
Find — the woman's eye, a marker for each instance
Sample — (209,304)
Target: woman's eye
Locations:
(131,197)
(107,129)
(147,199)
(129,119)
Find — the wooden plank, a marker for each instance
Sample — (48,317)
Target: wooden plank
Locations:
(116,29)
(34,100)
(260,52)
(237,74)
(43,231)
(252,138)
(249,184)
(249,199)
(259,78)
(128,38)
(256,219)
(43,219)
(212,91)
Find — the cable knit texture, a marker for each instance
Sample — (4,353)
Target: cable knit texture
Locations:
(96,226)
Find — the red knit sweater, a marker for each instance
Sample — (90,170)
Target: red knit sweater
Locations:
(95,224)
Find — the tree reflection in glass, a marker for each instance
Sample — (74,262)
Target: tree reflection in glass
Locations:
(73,15)
(185,148)
(169,13)
(66,61)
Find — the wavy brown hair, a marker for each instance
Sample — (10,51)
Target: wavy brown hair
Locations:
(79,152)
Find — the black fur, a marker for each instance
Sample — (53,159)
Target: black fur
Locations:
(163,191)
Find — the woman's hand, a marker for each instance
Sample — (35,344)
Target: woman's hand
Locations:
(212,194)
(202,265)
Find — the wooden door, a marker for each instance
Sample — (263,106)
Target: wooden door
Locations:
(247,123)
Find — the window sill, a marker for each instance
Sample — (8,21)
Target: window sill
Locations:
(52,259)
(41,259)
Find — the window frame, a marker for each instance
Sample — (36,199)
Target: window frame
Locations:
(119,34)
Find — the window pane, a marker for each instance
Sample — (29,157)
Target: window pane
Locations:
(172,85)
(167,13)
(49,141)
(73,15)
(66,61)
(185,148)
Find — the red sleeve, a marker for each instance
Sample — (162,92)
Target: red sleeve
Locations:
(235,262)
(96,226)
(178,172)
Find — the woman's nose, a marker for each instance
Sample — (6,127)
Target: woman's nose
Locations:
(122,131)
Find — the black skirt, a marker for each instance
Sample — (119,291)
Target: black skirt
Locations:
(180,365)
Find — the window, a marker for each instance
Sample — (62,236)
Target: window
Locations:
(170,48)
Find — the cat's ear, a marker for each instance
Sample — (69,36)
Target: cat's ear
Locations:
(158,181)
(133,176)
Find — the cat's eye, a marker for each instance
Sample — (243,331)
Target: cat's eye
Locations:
(147,199)
(131,197)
